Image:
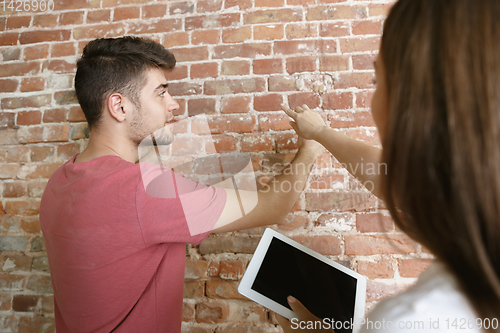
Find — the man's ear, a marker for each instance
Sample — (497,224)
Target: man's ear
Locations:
(116,103)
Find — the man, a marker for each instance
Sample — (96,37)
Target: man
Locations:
(117,254)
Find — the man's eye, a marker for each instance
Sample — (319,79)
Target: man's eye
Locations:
(162,94)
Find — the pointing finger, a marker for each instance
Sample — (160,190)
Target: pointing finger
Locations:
(288,111)
(300,310)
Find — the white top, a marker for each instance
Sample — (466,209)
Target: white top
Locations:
(434,304)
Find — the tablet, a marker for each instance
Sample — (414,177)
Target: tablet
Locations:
(281,267)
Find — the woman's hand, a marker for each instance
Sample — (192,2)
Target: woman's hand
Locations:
(307,123)
(292,326)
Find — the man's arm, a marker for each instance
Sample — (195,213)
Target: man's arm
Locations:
(360,159)
(276,199)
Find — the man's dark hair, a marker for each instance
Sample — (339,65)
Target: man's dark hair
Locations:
(116,65)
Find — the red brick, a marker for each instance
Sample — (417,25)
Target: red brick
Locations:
(364,99)
(273,16)
(10,54)
(232,123)
(26,102)
(203,6)
(181,8)
(70,18)
(294,47)
(363,61)
(176,39)
(14,189)
(29,117)
(184,88)
(225,143)
(187,312)
(367,28)
(235,104)
(8,85)
(359,44)
(212,312)
(242,4)
(357,80)
(74,4)
(211,21)
(45,20)
(381,9)
(62,50)
(59,66)
(343,119)
(235,67)
(8,171)
(300,64)
(262,32)
(412,268)
(204,70)
(301,30)
(126,13)
(237,35)
(256,143)
(223,289)
(206,37)
(194,289)
(325,182)
(35,190)
(221,87)
(338,29)
(44,36)
(340,201)
(268,102)
(231,269)
(311,99)
(187,146)
(18,154)
(9,38)
(335,101)
(300,2)
(379,244)
(65,97)
(7,119)
(190,53)
(27,207)
(76,115)
(32,84)
(56,133)
(274,122)
(178,73)
(269,3)
(39,283)
(154,10)
(381,269)
(246,50)
(17,22)
(268,66)
(282,83)
(229,244)
(329,63)
(66,151)
(286,141)
(19,69)
(54,115)
(97,16)
(293,222)
(201,105)
(36,52)
(326,245)
(99,31)
(161,26)
(335,13)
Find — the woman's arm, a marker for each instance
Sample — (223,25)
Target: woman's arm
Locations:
(360,159)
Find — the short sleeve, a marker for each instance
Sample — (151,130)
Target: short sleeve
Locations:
(162,214)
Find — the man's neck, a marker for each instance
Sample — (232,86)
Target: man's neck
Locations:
(102,145)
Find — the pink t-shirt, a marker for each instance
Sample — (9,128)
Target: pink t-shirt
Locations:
(116,254)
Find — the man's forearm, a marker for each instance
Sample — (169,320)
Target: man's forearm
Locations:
(361,160)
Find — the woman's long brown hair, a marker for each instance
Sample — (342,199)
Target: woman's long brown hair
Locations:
(442,142)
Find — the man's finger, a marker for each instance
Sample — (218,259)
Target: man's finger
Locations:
(288,111)
(300,310)
(305,107)
(284,323)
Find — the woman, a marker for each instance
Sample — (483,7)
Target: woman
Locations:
(437,109)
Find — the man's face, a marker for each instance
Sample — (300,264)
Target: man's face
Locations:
(155,111)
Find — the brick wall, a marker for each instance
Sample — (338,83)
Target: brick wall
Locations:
(238,60)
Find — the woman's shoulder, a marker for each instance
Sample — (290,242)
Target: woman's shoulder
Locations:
(434,303)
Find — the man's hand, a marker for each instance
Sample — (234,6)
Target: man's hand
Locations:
(307,123)
(304,315)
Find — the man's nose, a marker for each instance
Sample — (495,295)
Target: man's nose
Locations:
(172,104)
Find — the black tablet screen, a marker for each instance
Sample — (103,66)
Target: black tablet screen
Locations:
(324,290)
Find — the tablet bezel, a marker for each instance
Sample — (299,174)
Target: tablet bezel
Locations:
(245,287)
